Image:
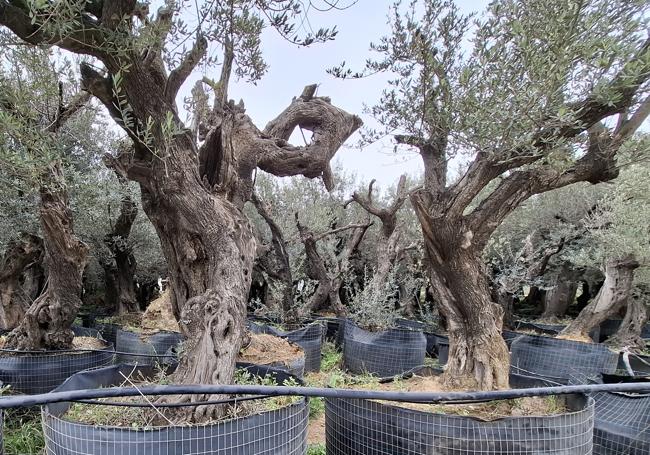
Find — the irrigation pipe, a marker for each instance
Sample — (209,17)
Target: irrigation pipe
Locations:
(415,397)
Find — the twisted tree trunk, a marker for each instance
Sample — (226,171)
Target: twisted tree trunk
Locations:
(628,335)
(47,322)
(19,260)
(612,297)
(478,355)
(119,270)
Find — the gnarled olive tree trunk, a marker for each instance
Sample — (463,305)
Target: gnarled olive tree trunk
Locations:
(559,297)
(47,322)
(478,355)
(612,297)
(628,335)
(19,259)
(119,270)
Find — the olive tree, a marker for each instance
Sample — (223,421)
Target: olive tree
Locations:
(619,240)
(193,181)
(528,106)
(35,141)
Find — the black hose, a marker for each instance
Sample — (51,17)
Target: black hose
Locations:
(128,404)
(414,397)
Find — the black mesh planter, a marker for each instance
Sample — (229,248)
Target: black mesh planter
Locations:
(34,372)
(80,331)
(309,338)
(108,331)
(280,431)
(428,331)
(386,353)
(609,328)
(135,348)
(621,420)
(560,359)
(365,427)
(332,326)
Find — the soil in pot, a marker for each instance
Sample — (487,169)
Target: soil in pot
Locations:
(152,416)
(266,349)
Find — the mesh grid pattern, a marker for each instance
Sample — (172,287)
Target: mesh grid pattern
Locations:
(281,431)
(363,427)
(560,359)
(386,353)
(147,350)
(33,373)
(621,420)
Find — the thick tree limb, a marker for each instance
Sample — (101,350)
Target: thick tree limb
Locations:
(623,89)
(181,73)
(86,39)
(330,126)
(114,11)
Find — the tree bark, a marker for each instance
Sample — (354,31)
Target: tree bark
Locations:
(20,257)
(48,320)
(612,297)
(628,335)
(119,270)
(478,355)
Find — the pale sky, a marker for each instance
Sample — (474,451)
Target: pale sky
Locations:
(291,68)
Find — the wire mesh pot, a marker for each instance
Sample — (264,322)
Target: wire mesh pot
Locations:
(277,431)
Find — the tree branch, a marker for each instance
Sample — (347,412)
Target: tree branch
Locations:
(86,39)
(181,73)
(622,89)
(330,126)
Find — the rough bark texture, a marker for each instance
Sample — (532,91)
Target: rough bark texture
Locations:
(478,355)
(612,297)
(19,263)
(628,335)
(194,195)
(327,294)
(48,320)
(119,270)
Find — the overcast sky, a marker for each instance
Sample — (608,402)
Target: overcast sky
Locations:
(291,68)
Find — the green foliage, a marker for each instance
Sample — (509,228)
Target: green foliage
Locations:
(316,407)
(331,357)
(22,432)
(316,449)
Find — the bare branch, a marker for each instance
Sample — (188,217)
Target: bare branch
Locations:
(181,73)
(65,112)
(388,215)
(627,127)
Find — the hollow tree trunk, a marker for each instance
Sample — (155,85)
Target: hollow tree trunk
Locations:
(612,297)
(628,334)
(48,320)
(478,355)
(119,271)
(19,258)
